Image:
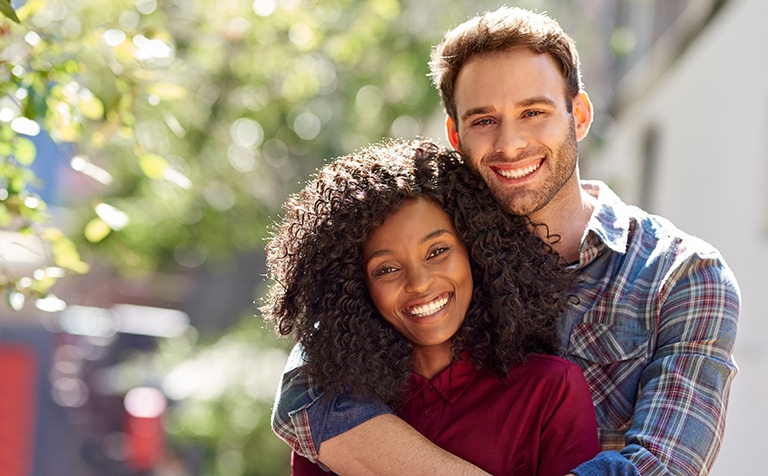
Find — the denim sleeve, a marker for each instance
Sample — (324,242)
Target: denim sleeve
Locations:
(607,463)
(303,417)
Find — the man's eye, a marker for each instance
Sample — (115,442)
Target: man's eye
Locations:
(532,113)
(483,122)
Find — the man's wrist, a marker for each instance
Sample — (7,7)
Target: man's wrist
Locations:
(606,463)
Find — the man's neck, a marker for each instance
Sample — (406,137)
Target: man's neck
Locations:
(566,216)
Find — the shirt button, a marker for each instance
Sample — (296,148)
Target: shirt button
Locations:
(428,413)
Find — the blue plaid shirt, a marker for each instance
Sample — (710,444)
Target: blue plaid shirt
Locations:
(653,330)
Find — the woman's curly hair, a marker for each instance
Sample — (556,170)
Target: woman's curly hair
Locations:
(318,292)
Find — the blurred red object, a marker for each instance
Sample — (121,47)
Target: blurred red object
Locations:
(18,372)
(145,441)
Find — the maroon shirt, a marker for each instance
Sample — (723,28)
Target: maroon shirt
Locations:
(537,421)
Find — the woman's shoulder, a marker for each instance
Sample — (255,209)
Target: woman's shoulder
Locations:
(550,366)
(548,360)
(546,377)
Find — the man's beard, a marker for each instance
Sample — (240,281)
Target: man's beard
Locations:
(527,201)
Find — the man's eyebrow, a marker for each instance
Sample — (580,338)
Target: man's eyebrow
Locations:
(476,111)
(528,102)
(536,100)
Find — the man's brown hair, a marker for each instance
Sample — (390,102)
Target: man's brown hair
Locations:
(500,30)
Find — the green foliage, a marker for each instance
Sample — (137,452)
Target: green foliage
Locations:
(7,10)
(191,121)
(192,125)
(25,83)
(198,123)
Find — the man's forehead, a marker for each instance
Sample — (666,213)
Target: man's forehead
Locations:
(493,78)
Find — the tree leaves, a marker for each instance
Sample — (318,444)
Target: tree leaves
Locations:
(7,10)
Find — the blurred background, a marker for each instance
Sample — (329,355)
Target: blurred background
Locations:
(147,145)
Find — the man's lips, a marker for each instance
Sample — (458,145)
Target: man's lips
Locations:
(506,171)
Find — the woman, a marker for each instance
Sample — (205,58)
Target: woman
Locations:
(388,269)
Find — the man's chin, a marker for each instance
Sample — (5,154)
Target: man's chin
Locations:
(512,202)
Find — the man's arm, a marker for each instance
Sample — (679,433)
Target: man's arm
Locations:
(679,416)
(388,445)
(353,436)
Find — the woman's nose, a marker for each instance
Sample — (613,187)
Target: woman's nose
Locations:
(419,280)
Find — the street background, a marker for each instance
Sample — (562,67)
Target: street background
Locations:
(163,137)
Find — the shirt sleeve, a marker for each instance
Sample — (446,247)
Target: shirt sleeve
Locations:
(303,417)
(569,435)
(679,417)
(610,463)
(683,393)
(301,466)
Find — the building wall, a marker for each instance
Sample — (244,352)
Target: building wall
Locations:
(694,148)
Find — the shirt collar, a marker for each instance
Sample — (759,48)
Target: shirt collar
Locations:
(450,383)
(609,222)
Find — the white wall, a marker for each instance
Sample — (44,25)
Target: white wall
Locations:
(711,109)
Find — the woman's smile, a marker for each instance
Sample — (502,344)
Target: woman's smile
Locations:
(424,310)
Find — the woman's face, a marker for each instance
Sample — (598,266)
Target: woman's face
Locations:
(417,271)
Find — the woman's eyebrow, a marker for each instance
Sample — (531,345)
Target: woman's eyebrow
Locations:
(376,254)
(386,251)
(434,234)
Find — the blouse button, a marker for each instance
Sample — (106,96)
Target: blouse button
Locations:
(428,413)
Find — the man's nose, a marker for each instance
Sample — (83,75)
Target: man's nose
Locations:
(510,139)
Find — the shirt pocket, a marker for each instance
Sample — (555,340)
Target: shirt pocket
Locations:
(612,358)
(605,344)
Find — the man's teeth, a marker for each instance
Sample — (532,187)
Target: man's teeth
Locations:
(518,173)
(429,308)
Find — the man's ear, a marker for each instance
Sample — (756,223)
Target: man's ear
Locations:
(582,114)
(453,134)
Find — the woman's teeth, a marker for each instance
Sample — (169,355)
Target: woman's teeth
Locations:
(429,308)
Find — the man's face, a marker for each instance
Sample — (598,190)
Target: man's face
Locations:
(514,126)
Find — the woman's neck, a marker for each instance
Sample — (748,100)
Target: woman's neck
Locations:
(428,361)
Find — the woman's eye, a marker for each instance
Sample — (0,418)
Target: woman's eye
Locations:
(384,270)
(437,252)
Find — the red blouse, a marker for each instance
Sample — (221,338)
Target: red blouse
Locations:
(537,421)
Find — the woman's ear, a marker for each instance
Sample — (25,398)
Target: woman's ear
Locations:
(453,134)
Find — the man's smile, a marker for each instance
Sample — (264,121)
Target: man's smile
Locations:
(517,173)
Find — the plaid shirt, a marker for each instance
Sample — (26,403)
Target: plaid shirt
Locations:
(653,329)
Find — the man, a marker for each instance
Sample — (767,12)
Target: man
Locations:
(654,320)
